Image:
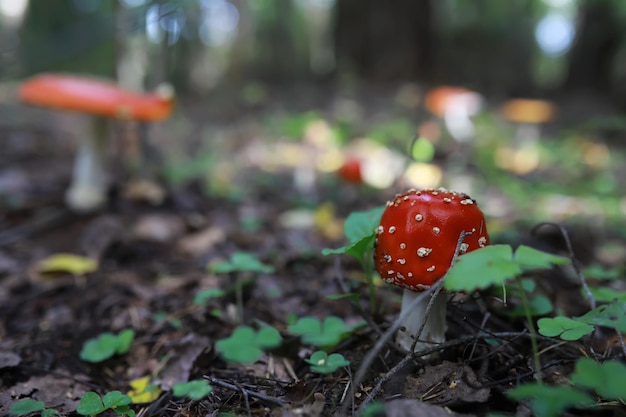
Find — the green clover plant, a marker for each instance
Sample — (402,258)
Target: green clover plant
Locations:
(241,262)
(202,297)
(324,334)
(323,363)
(360,231)
(106,345)
(547,401)
(246,346)
(92,404)
(28,406)
(195,390)
(606,379)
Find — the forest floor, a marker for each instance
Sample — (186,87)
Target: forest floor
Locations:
(154,259)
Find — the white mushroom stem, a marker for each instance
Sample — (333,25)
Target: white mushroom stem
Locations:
(89,178)
(434,331)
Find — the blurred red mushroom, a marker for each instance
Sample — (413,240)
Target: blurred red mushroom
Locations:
(103,100)
(415,246)
(350,171)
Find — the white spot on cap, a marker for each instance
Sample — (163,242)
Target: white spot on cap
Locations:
(464,247)
(400,276)
(467,201)
(390,272)
(424,252)
(401,261)
(392,229)
(482,241)
(419,217)
(436,230)
(380,230)
(431,268)
(447,200)
(402,245)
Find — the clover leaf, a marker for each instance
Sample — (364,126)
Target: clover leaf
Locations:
(241,262)
(27,406)
(195,390)
(92,404)
(324,334)
(245,345)
(106,345)
(323,363)
(607,315)
(564,327)
(548,401)
(607,379)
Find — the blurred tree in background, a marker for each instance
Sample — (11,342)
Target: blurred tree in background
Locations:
(522,47)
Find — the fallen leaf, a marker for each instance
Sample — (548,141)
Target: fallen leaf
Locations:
(144,390)
(68,263)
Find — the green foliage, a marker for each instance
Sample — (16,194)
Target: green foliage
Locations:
(323,363)
(106,345)
(604,294)
(538,304)
(599,272)
(241,262)
(493,265)
(323,334)
(564,327)
(422,150)
(606,379)
(92,404)
(195,390)
(27,406)
(548,401)
(245,345)
(204,296)
(359,228)
(608,315)
(373,409)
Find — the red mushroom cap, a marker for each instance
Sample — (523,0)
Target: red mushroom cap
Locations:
(419,232)
(438,100)
(350,171)
(94,96)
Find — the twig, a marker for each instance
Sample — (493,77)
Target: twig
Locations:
(245,392)
(572,256)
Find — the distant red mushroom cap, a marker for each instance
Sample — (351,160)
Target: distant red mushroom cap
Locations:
(93,96)
(350,171)
(440,99)
(418,235)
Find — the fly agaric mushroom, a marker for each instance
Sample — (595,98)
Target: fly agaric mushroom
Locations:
(415,245)
(103,100)
(350,171)
(456,106)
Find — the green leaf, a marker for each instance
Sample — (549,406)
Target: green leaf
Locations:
(538,305)
(548,401)
(90,404)
(50,412)
(124,341)
(203,296)
(241,262)
(608,315)
(599,272)
(481,268)
(323,363)
(529,258)
(564,327)
(325,334)
(360,230)
(106,345)
(26,406)
(604,294)
(115,399)
(362,224)
(100,348)
(607,379)
(246,346)
(195,390)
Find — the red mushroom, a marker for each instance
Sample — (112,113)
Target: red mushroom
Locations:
(350,171)
(103,99)
(415,245)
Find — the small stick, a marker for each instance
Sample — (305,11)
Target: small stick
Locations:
(245,392)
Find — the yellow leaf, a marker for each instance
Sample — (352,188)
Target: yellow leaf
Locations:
(143,390)
(326,222)
(67,262)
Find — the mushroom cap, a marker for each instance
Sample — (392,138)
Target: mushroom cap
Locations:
(418,235)
(528,111)
(440,99)
(93,96)
(350,171)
